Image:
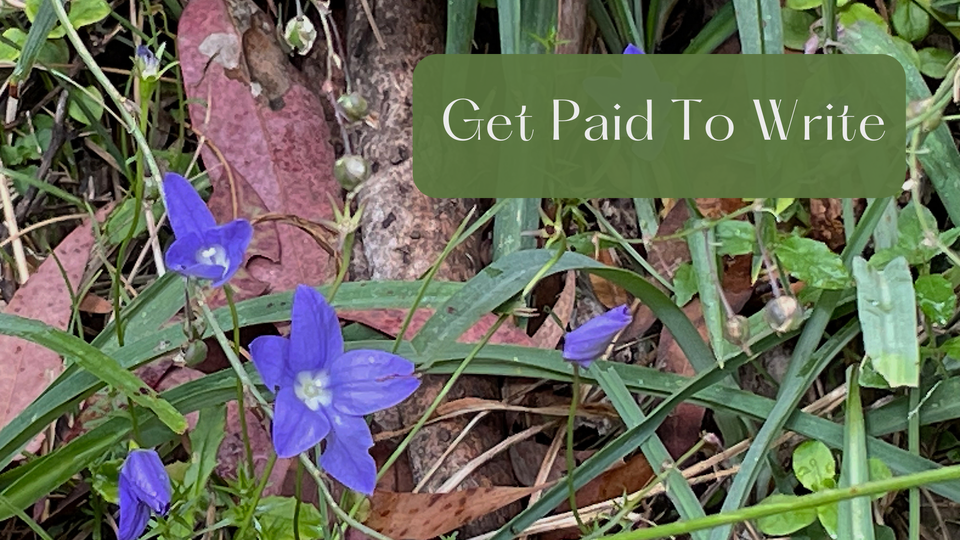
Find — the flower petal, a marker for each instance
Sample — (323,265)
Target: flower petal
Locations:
(147,480)
(269,354)
(133,513)
(234,237)
(186,210)
(181,257)
(365,381)
(315,336)
(632,49)
(587,343)
(347,455)
(296,428)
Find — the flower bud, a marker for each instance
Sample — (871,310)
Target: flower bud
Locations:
(812,45)
(736,330)
(354,106)
(300,34)
(147,64)
(351,170)
(195,352)
(782,313)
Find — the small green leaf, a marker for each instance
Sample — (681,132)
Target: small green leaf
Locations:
(787,522)
(94,106)
(275,516)
(684,284)
(82,13)
(910,21)
(860,12)
(105,479)
(951,348)
(911,238)
(878,471)
(796,31)
(933,62)
(814,466)
(936,298)
(735,237)
(812,262)
(17,36)
(870,378)
(887,306)
(828,515)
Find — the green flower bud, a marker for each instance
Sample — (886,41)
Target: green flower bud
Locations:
(195,353)
(300,34)
(354,106)
(783,313)
(351,170)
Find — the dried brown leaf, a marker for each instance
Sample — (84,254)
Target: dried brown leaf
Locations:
(422,516)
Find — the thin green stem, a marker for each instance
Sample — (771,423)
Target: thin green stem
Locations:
(256,495)
(135,425)
(804,502)
(241,399)
(571,463)
(913,443)
(297,494)
(344,266)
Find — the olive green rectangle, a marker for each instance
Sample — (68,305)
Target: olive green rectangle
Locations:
(627,126)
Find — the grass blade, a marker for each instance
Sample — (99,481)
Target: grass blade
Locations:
(461,22)
(855,516)
(508,12)
(715,32)
(516,217)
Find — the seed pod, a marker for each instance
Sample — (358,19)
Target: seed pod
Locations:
(195,353)
(736,330)
(354,106)
(300,34)
(351,170)
(782,313)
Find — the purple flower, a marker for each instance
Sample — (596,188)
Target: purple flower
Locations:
(323,392)
(144,487)
(632,49)
(202,248)
(587,343)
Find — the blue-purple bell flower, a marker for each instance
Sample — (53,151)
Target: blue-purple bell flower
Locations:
(202,249)
(144,488)
(633,49)
(590,341)
(323,392)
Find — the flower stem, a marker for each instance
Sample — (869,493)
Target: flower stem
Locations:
(344,266)
(256,495)
(241,401)
(135,425)
(571,463)
(248,386)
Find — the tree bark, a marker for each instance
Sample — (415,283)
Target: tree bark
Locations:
(404,231)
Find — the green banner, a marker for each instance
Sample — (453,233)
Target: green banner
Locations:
(573,126)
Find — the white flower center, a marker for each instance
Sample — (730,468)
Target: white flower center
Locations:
(313,389)
(214,255)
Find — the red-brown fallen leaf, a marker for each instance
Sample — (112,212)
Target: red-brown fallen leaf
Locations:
(422,516)
(629,477)
(389,321)
(92,303)
(250,103)
(29,368)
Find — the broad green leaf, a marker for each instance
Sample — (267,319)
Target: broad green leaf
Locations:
(275,515)
(860,12)
(827,514)
(951,348)
(735,237)
(812,262)
(911,238)
(93,104)
(907,49)
(796,31)
(887,307)
(787,522)
(814,466)
(936,298)
(205,440)
(911,21)
(91,359)
(684,284)
(51,52)
(81,13)
(933,62)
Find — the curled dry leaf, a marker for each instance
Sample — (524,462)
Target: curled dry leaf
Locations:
(608,293)
(29,368)
(550,332)
(422,516)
